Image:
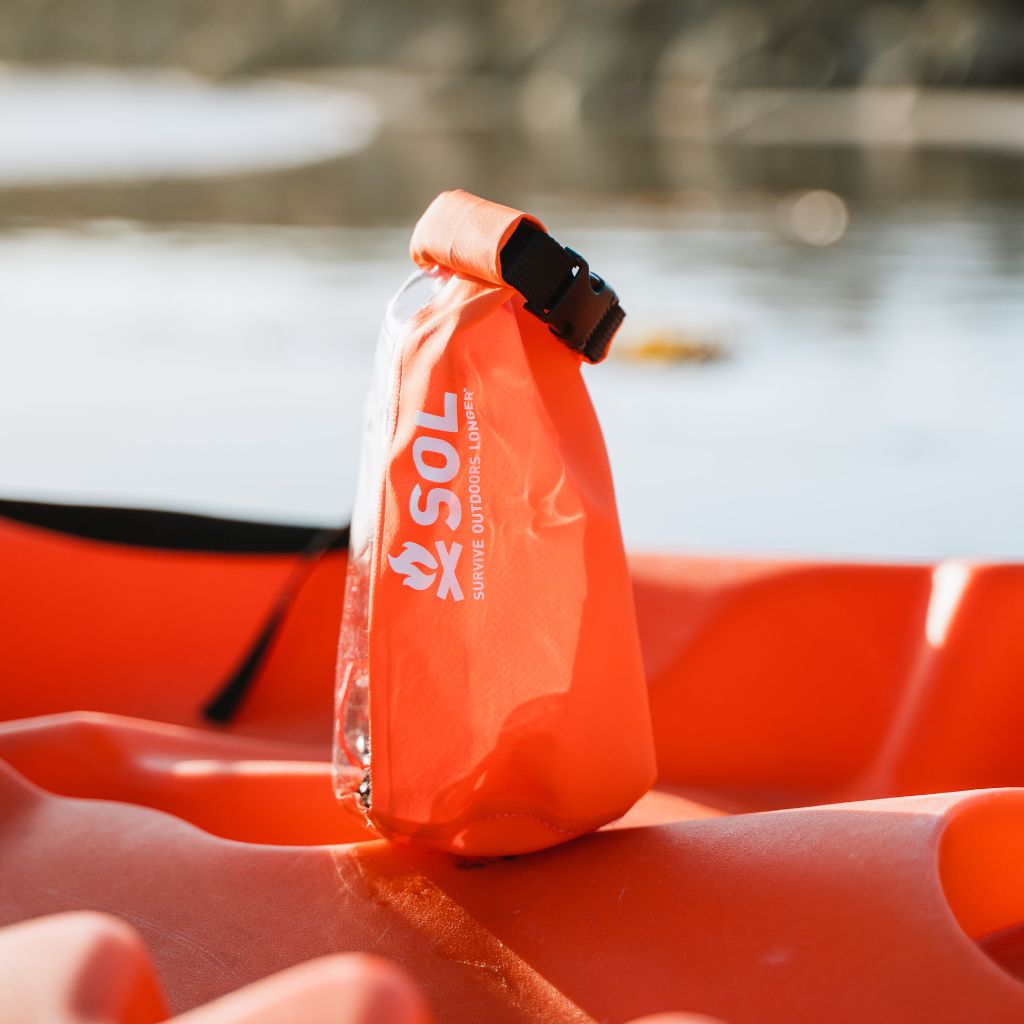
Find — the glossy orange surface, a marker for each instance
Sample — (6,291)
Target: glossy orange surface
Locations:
(741,889)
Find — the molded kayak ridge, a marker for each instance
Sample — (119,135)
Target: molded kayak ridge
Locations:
(156,864)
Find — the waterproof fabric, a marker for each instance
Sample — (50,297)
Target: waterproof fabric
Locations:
(773,685)
(507,706)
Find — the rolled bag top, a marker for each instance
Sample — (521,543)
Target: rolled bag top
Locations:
(497,246)
(465,234)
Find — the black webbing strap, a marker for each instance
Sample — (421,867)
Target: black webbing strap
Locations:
(182,531)
(581,309)
(225,704)
(162,530)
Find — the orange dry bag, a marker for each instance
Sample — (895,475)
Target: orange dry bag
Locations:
(491,696)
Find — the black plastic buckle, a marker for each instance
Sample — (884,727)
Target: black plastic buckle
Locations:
(583,304)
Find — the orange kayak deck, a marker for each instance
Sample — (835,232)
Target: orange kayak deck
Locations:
(785,868)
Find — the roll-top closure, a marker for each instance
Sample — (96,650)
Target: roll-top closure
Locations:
(465,234)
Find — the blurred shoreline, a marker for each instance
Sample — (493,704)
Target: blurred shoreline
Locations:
(719,148)
(597,46)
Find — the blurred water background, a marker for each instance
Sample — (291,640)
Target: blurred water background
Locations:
(813,214)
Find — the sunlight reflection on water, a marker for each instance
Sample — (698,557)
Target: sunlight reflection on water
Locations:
(93,125)
(869,404)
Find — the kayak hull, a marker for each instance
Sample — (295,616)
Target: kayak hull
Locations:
(785,868)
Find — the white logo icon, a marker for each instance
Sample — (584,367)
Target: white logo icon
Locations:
(437,461)
(419,566)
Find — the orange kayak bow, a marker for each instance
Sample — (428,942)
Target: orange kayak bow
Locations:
(782,870)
